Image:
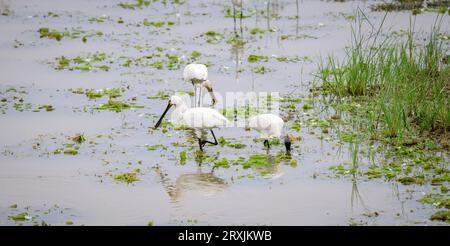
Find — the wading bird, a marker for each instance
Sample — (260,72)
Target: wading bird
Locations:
(197,74)
(197,119)
(270,126)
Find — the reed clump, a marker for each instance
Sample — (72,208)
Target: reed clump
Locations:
(402,83)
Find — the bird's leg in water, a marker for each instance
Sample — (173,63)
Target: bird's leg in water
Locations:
(195,93)
(200,97)
(206,141)
(267,144)
(200,144)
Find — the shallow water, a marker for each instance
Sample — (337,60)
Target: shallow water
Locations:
(169,192)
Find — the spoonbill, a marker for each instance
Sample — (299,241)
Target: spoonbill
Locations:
(270,126)
(238,4)
(197,119)
(197,74)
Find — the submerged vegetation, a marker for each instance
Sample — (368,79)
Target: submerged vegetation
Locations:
(75,33)
(128,178)
(15,98)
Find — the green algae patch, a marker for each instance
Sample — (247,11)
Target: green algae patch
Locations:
(213,37)
(223,142)
(73,33)
(138,4)
(224,163)
(95,61)
(256,161)
(437,200)
(70,152)
(261,70)
(20,217)
(46,33)
(157,24)
(117,106)
(183,157)
(128,178)
(441,216)
(256,58)
(258,30)
(155,147)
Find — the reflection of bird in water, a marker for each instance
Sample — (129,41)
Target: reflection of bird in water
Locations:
(273,170)
(204,183)
(237,50)
(238,4)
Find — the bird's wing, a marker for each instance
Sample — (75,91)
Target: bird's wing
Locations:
(269,125)
(204,118)
(260,122)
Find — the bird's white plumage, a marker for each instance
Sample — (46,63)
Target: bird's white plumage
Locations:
(196,73)
(196,118)
(203,118)
(268,125)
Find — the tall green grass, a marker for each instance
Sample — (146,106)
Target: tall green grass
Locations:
(404,83)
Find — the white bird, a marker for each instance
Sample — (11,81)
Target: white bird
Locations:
(270,126)
(197,74)
(197,119)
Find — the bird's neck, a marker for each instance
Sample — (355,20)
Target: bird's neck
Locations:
(178,112)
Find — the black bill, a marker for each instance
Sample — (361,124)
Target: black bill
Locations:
(162,116)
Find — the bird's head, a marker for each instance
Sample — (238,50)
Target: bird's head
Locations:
(174,101)
(287,143)
(208,85)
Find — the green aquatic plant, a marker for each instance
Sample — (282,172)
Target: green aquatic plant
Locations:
(128,178)
(405,81)
(73,33)
(20,217)
(213,37)
(223,142)
(117,106)
(223,163)
(417,6)
(138,4)
(95,61)
(183,157)
(155,147)
(157,24)
(438,200)
(99,93)
(261,70)
(46,33)
(441,216)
